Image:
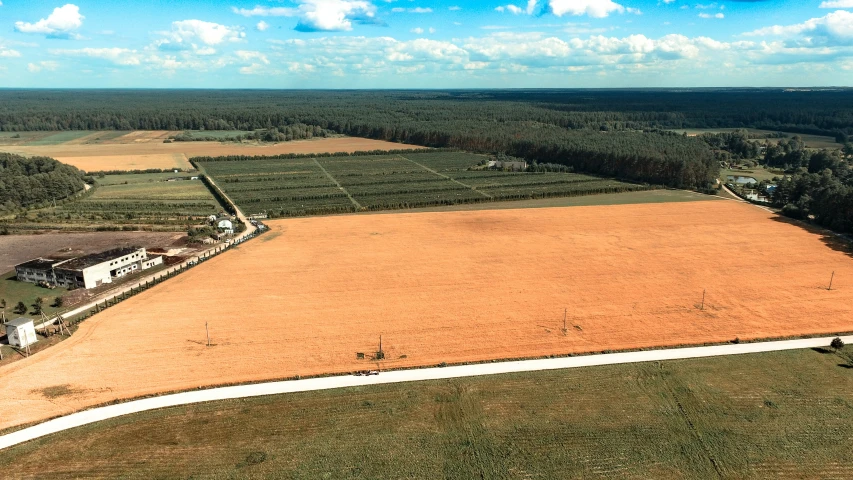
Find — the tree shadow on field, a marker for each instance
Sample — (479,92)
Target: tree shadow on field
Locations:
(835,241)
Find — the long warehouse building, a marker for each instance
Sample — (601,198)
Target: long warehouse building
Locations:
(90,271)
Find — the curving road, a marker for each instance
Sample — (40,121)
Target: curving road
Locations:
(273,388)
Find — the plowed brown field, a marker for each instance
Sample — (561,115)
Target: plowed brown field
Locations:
(456,286)
(133,156)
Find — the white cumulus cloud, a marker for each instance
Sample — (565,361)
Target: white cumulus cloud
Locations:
(514,9)
(39,66)
(118,56)
(837,4)
(59,24)
(206,32)
(262,26)
(592,8)
(320,15)
(832,28)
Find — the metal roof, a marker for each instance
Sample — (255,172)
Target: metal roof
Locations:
(20,322)
(97,258)
(39,263)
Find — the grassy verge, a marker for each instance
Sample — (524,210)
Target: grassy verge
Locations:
(14,291)
(771,415)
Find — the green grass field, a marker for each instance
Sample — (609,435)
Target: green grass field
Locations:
(136,178)
(775,415)
(758,173)
(14,291)
(218,134)
(132,201)
(329,185)
(60,138)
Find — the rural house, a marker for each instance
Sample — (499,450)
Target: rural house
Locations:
(225,226)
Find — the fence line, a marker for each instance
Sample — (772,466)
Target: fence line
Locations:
(140,287)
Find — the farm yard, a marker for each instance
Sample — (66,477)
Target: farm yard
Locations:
(15,249)
(134,201)
(447,287)
(771,415)
(146,150)
(287,187)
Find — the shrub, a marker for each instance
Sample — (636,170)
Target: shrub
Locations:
(837,343)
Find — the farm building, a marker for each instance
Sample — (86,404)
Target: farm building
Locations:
(225,226)
(21,332)
(87,272)
(37,270)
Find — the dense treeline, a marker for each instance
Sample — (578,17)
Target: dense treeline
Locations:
(602,137)
(737,145)
(607,132)
(820,189)
(25,182)
(826,112)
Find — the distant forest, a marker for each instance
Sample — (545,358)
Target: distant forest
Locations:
(608,132)
(25,182)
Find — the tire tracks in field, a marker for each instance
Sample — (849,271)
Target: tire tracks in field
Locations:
(357,205)
(691,426)
(448,177)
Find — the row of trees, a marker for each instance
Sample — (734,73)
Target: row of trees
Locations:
(285,133)
(25,182)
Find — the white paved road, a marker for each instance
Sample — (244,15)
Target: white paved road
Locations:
(273,388)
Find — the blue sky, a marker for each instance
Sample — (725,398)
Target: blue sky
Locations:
(425,43)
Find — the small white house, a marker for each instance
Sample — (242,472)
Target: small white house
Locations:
(225,226)
(21,332)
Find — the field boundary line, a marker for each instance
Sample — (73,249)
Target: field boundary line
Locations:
(98,414)
(448,177)
(341,187)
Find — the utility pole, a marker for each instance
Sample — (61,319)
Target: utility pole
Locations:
(830,281)
(207,330)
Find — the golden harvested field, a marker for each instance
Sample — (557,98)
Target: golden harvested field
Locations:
(447,287)
(94,163)
(138,153)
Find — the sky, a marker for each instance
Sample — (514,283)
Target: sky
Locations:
(425,43)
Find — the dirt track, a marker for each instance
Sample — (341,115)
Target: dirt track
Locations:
(138,156)
(458,286)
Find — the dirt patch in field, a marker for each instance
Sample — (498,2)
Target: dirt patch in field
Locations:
(449,287)
(133,154)
(15,249)
(142,136)
(57,391)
